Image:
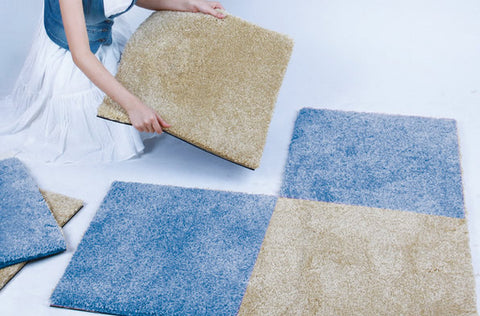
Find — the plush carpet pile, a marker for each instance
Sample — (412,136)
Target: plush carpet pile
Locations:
(370,222)
(395,240)
(28,229)
(215,81)
(385,161)
(330,259)
(166,250)
(63,209)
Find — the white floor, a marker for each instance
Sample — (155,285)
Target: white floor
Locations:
(400,57)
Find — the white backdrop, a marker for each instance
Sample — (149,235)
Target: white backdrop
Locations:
(398,57)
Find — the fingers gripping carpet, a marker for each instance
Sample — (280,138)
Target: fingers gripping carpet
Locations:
(215,81)
(28,230)
(63,209)
(166,250)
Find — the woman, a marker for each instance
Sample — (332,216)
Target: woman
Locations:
(52,110)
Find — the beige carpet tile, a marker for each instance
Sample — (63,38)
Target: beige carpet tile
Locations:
(330,259)
(63,209)
(215,81)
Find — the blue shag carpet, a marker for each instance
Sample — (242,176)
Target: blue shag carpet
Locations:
(166,250)
(28,229)
(376,160)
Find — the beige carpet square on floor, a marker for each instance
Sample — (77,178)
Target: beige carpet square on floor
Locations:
(330,259)
(215,81)
(63,209)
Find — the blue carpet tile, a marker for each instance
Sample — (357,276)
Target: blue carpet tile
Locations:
(28,229)
(166,250)
(376,160)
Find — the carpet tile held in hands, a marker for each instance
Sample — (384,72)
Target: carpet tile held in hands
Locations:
(215,81)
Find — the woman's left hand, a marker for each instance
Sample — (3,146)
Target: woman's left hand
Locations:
(207,7)
(203,6)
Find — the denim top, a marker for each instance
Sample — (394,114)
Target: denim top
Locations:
(99,27)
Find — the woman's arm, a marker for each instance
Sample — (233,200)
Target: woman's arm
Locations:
(142,117)
(203,6)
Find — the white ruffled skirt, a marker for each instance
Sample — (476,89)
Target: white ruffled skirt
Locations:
(51,114)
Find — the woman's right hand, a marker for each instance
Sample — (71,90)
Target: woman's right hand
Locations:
(145,119)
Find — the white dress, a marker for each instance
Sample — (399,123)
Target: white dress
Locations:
(51,114)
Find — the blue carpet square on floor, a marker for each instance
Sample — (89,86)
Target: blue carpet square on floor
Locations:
(376,160)
(28,229)
(166,250)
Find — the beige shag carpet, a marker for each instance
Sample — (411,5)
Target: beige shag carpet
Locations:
(215,81)
(63,209)
(329,259)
